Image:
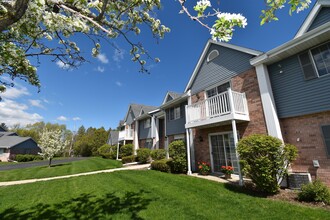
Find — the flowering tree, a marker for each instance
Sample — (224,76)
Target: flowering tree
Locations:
(27,28)
(51,143)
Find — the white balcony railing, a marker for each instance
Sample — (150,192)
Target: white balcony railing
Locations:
(224,106)
(126,134)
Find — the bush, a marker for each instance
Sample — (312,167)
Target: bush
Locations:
(129,159)
(126,150)
(158,154)
(264,160)
(177,150)
(162,165)
(27,157)
(107,151)
(314,192)
(143,155)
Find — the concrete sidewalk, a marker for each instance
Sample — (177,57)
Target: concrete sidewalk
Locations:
(132,167)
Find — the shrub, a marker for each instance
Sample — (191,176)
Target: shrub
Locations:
(161,165)
(126,150)
(178,154)
(314,192)
(27,157)
(158,154)
(143,155)
(129,159)
(107,151)
(264,160)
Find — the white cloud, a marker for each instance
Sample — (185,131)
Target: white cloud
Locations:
(118,55)
(76,119)
(102,58)
(62,65)
(62,118)
(119,83)
(100,69)
(36,103)
(12,112)
(15,92)
(45,101)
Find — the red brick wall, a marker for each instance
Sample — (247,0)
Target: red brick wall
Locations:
(305,133)
(245,82)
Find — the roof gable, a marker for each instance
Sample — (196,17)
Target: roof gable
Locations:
(170,96)
(248,53)
(305,27)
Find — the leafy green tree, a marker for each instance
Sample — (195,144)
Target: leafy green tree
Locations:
(33,28)
(264,159)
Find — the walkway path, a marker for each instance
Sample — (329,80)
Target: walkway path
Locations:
(132,167)
(39,163)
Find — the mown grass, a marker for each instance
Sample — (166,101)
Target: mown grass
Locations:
(81,166)
(142,195)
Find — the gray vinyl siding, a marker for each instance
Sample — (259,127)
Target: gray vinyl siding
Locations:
(176,126)
(293,94)
(322,18)
(144,133)
(26,147)
(228,64)
(130,117)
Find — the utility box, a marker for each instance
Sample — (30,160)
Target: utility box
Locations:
(296,180)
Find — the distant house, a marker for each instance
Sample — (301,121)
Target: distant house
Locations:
(11,144)
(175,117)
(148,131)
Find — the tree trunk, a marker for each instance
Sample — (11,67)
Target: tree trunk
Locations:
(14,14)
(50,162)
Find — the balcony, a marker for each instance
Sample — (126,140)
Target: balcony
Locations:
(126,134)
(226,106)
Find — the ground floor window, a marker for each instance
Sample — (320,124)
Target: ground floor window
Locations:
(148,143)
(326,136)
(223,151)
(2,150)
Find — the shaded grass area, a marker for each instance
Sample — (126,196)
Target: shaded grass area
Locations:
(142,195)
(81,166)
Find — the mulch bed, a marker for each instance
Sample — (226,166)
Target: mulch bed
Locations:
(289,195)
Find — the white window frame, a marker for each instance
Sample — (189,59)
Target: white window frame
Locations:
(147,123)
(176,113)
(211,53)
(313,61)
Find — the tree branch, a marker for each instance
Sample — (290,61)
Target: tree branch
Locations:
(14,14)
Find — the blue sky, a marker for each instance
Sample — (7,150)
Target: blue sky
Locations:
(99,93)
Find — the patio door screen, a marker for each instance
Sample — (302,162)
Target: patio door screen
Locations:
(223,152)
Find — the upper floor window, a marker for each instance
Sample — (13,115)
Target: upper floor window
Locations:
(212,55)
(217,90)
(147,123)
(316,62)
(175,113)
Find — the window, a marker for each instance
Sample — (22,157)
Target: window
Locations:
(212,55)
(148,143)
(326,136)
(316,62)
(147,123)
(175,113)
(217,90)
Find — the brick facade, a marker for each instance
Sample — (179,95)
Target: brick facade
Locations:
(245,82)
(305,133)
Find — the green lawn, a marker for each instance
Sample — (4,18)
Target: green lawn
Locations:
(81,166)
(142,195)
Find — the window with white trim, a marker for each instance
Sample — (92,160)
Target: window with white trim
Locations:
(217,90)
(326,136)
(316,62)
(147,123)
(212,55)
(175,113)
(148,143)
